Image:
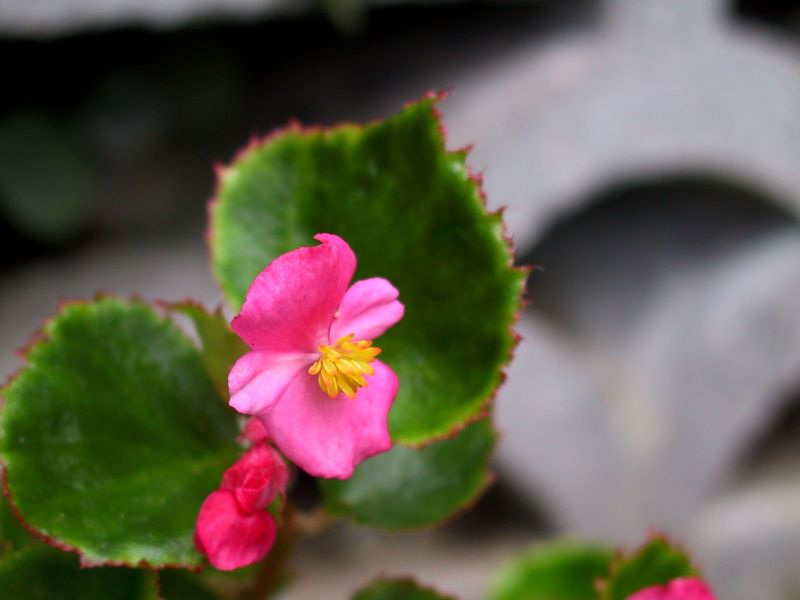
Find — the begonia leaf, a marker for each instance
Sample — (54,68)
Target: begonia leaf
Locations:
(413,213)
(44,573)
(12,534)
(113,436)
(398,589)
(656,563)
(414,487)
(554,571)
(220,347)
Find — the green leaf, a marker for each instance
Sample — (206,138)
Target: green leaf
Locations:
(413,214)
(656,563)
(221,347)
(554,571)
(408,487)
(113,435)
(181,585)
(43,573)
(398,589)
(12,534)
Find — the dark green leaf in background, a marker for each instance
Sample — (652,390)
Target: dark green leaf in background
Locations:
(46,180)
(656,563)
(44,573)
(182,585)
(562,570)
(409,487)
(114,435)
(398,589)
(413,214)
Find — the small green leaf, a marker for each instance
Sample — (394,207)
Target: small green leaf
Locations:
(43,573)
(221,347)
(413,214)
(554,571)
(408,487)
(656,563)
(113,435)
(398,589)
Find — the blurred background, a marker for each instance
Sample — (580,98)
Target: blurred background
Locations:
(648,152)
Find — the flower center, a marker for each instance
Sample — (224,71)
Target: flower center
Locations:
(341,368)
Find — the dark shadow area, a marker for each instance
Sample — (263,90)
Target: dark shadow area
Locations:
(781,15)
(775,452)
(601,266)
(500,509)
(152,111)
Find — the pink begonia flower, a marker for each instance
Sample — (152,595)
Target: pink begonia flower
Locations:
(253,432)
(311,377)
(234,528)
(677,589)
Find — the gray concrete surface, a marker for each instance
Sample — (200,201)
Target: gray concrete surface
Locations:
(45,18)
(342,561)
(660,358)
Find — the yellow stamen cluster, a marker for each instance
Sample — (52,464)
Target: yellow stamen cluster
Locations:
(341,368)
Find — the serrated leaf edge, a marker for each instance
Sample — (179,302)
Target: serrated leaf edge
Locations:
(41,335)
(432,97)
(623,556)
(467,505)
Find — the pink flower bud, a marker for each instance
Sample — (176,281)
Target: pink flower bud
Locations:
(677,589)
(234,528)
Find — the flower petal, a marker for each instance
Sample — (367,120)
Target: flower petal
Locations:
(230,538)
(256,478)
(258,379)
(677,589)
(290,305)
(253,432)
(368,309)
(328,437)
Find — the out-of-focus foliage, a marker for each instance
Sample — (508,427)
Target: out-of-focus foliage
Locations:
(414,214)
(46,179)
(566,570)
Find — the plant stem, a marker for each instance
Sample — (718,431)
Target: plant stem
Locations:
(272,573)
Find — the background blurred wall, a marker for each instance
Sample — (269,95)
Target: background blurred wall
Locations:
(648,154)
(650,168)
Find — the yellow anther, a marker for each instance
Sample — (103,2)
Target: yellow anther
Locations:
(341,367)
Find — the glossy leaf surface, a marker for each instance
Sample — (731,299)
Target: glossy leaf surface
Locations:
(413,213)
(113,435)
(408,487)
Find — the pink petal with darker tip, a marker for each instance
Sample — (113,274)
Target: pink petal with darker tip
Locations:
(230,538)
(328,437)
(256,478)
(368,309)
(677,589)
(259,378)
(290,305)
